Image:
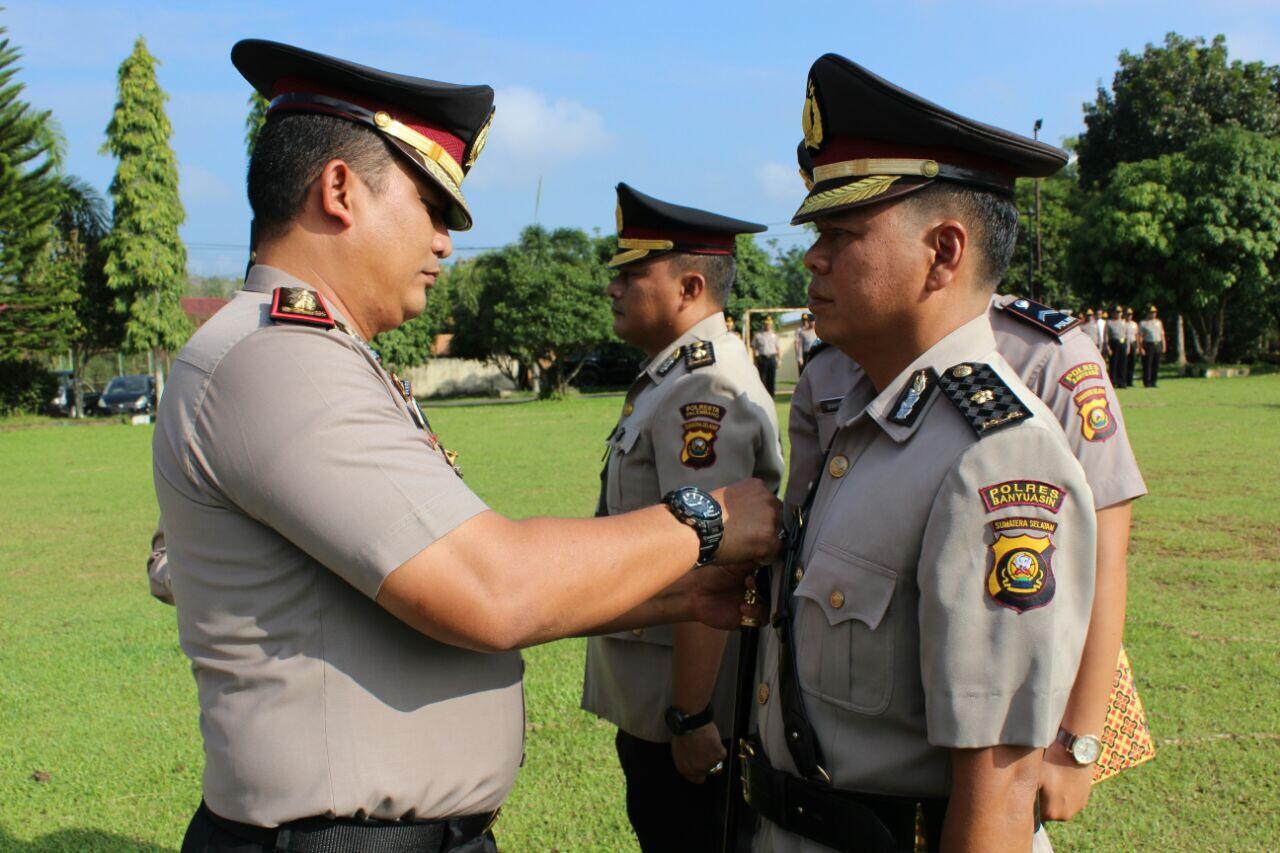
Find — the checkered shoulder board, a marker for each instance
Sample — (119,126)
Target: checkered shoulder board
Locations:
(986,402)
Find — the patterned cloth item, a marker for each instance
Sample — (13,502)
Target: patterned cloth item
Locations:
(1126,740)
(986,402)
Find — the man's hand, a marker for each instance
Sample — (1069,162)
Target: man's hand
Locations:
(717,592)
(698,752)
(1064,785)
(752,519)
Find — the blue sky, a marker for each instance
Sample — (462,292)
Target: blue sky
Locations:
(694,102)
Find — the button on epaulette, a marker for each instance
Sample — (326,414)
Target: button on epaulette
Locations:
(300,305)
(986,402)
(699,354)
(1052,320)
(670,362)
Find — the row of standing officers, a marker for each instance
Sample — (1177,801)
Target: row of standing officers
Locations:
(939,635)
(1123,340)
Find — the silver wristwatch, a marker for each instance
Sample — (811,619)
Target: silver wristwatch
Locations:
(1085,749)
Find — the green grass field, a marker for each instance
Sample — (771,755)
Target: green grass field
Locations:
(98,702)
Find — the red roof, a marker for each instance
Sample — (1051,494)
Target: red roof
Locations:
(201,308)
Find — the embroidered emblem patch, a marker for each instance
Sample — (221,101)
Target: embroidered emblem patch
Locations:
(1080,373)
(1051,320)
(699,354)
(982,397)
(670,361)
(1024,524)
(1023,493)
(1096,422)
(830,405)
(299,305)
(694,411)
(1021,576)
(914,396)
(699,450)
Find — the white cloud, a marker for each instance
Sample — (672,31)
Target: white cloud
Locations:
(532,133)
(779,182)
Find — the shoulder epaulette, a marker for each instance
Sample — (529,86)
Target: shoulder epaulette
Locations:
(1052,320)
(299,305)
(699,354)
(986,402)
(670,361)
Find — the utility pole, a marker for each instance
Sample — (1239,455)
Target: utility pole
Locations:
(1037,289)
(537,201)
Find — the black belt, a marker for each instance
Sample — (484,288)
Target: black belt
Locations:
(341,835)
(844,820)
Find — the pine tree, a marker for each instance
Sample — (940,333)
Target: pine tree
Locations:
(33,304)
(146,262)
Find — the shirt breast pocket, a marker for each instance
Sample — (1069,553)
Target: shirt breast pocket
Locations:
(844,630)
(633,480)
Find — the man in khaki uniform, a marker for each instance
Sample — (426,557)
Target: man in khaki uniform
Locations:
(696,415)
(1154,345)
(351,609)
(1135,346)
(1117,346)
(930,617)
(764,345)
(1065,370)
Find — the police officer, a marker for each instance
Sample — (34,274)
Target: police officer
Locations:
(1091,329)
(696,415)
(1135,346)
(764,345)
(806,339)
(351,609)
(931,614)
(1154,343)
(1117,346)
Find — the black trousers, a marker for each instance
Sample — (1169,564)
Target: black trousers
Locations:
(669,813)
(767,367)
(1131,362)
(204,836)
(1115,363)
(1151,366)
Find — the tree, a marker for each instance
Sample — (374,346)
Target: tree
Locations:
(1168,97)
(795,275)
(34,303)
(77,253)
(1061,201)
(539,302)
(1198,230)
(254,121)
(760,283)
(146,263)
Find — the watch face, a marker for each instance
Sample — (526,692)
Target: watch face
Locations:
(1086,749)
(697,504)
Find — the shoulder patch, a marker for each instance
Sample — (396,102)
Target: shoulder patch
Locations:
(1021,573)
(1035,493)
(986,402)
(1082,372)
(1051,320)
(699,354)
(914,395)
(299,305)
(670,361)
(1096,421)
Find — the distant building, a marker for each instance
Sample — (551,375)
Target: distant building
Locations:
(201,308)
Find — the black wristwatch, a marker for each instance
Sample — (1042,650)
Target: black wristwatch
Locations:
(681,723)
(700,511)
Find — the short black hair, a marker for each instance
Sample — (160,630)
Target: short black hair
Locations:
(290,153)
(720,271)
(993,219)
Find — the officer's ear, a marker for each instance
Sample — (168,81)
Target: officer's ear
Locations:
(335,188)
(692,285)
(948,243)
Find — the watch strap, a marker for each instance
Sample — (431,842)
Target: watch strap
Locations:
(691,722)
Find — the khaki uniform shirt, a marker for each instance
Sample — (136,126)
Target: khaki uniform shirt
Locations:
(907,645)
(1067,373)
(1118,330)
(765,344)
(1132,332)
(292,481)
(805,339)
(681,425)
(1152,331)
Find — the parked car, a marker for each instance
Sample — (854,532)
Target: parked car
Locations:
(132,394)
(61,402)
(612,365)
